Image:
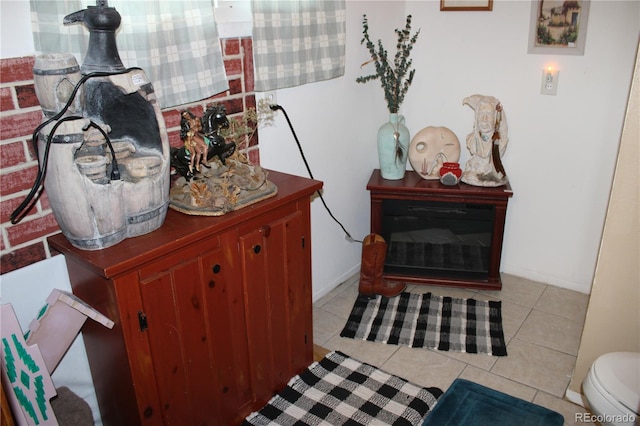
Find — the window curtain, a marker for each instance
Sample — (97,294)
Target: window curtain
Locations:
(174,41)
(297,42)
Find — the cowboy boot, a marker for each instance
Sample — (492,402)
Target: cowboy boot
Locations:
(374,251)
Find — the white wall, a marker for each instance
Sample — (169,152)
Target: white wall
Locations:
(16,39)
(562,149)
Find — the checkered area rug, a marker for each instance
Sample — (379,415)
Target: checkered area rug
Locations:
(429,321)
(340,390)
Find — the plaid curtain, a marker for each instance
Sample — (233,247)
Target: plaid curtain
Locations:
(297,42)
(174,41)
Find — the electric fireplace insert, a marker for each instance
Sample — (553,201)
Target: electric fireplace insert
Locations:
(444,239)
(438,234)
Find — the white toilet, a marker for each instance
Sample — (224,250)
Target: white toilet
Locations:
(612,388)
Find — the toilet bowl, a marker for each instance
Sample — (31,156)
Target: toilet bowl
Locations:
(612,388)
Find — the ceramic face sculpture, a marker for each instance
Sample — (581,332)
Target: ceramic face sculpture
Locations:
(430,148)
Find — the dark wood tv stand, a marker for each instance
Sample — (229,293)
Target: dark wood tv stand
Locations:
(397,205)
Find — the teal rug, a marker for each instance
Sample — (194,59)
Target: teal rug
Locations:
(468,403)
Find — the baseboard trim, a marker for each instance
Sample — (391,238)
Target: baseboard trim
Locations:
(341,279)
(575,397)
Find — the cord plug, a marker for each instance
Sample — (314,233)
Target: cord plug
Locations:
(115,173)
(266,110)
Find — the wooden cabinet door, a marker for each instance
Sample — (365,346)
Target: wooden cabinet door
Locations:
(195,322)
(277,301)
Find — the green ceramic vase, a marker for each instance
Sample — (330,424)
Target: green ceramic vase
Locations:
(393,146)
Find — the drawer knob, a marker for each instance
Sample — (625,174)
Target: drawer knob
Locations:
(216,268)
(257,248)
(212,284)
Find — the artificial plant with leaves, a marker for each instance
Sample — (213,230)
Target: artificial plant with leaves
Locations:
(395,75)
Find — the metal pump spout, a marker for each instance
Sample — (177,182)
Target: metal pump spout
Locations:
(102,22)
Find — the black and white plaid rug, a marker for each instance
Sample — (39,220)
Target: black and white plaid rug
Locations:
(429,321)
(340,390)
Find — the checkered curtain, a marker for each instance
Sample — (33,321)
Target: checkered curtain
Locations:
(297,42)
(174,41)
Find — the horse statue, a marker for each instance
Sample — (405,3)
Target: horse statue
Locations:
(202,142)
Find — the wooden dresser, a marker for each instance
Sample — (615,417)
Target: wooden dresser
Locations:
(213,314)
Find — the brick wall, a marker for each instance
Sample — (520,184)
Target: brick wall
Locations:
(25,243)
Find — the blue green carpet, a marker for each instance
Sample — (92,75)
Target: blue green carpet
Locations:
(468,403)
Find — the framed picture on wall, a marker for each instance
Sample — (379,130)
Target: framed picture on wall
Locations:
(449,5)
(558,27)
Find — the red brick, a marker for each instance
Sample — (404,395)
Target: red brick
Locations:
(16,69)
(12,154)
(254,156)
(13,126)
(174,140)
(171,118)
(233,106)
(44,201)
(231,46)
(254,140)
(53,251)
(250,101)
(6,100)
(249,80)
(233,66)
(235,86)
(7,207)
(220,95)
(27,213)
(31,151)
(19,180)
(195,109)
(32,229)
(27,96)
(22,257)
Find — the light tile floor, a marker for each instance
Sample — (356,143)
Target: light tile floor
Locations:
(542,326)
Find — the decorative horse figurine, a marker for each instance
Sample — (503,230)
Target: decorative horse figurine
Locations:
(215,118)
(201,140)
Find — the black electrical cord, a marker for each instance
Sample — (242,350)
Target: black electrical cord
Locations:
(293,132)
(72,97)
(19,213)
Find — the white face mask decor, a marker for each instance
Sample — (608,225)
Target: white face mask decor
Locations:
(430,148)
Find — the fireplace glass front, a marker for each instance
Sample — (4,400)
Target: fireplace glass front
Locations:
(437,239)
